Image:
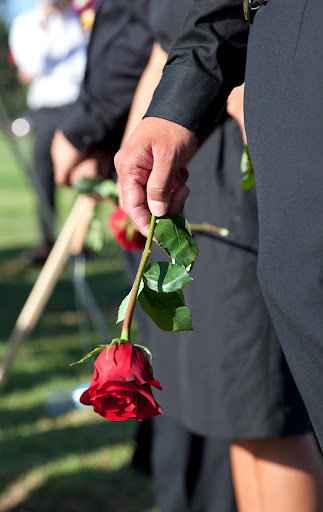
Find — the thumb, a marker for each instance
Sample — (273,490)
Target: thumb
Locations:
(159,186)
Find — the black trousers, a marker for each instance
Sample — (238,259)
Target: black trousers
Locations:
(191,473)
(46,122)
(284,122)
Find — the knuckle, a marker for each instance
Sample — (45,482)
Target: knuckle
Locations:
(158,192)
(187,191)
(116,160)
(119,158)
(165,155)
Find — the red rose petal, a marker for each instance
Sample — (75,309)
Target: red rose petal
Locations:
(118,222)
(121,385)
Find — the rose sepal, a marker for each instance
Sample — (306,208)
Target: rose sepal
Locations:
(145,351)
(142,348)
(116,341)
(95,352)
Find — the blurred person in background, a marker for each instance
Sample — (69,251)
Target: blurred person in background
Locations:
(118,52)
(10,9)
(48,45)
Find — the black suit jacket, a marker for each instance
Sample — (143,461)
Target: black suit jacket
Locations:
(118,52)
(206,61)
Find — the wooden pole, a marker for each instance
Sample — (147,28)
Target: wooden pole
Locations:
(79,236)
(42,289)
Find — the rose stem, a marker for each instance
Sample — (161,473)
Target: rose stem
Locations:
(125,332)
(205,226)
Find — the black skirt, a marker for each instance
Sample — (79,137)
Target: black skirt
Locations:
(284,109)
(228,378)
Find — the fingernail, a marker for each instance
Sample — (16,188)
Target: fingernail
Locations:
(157,208)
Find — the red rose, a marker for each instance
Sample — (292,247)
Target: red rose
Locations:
(124,231)
(121,385)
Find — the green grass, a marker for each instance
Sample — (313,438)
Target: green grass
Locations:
(74,461)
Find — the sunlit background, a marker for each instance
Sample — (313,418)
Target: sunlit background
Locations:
(54,456)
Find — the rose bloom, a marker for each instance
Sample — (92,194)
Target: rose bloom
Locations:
(124,232)
(121,385)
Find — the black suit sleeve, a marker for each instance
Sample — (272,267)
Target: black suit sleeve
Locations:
(118,53)
(206,61)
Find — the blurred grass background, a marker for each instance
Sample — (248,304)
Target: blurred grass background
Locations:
(75,461)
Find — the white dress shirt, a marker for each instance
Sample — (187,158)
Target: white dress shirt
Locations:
(52,53)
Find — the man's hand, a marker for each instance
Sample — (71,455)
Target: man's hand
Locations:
(96,163)
(150,166)
(65,157)
(70,165)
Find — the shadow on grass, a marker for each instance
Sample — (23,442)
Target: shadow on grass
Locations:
(14,417)
(81,438)
(22,453)
(33,440)
(122,490)
(105,278)
(41,366)
(106,288)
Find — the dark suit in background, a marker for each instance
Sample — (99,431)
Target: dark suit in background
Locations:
(118,51)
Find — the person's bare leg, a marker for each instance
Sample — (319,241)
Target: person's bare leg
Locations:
(288,474)
(245,482)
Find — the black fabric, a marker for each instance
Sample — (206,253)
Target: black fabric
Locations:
(141,459)
(228,378)
(117,55)
(46,122)
(206,61)
(283,113)
(191,473)
(166,17)
(284,108)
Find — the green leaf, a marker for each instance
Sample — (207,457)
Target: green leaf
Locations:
(130,231)
(247,182)
(166,277)
(86,185)
(106,188)
(95,236)
(95,352)
(124,304)
(173,234)
(248,176)
(167,310)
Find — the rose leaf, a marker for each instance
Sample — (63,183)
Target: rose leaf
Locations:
(248,176)
(173,234)
(166,277)
(95,236)
(124,304)
(107,189)
(167,310)
(86,185)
